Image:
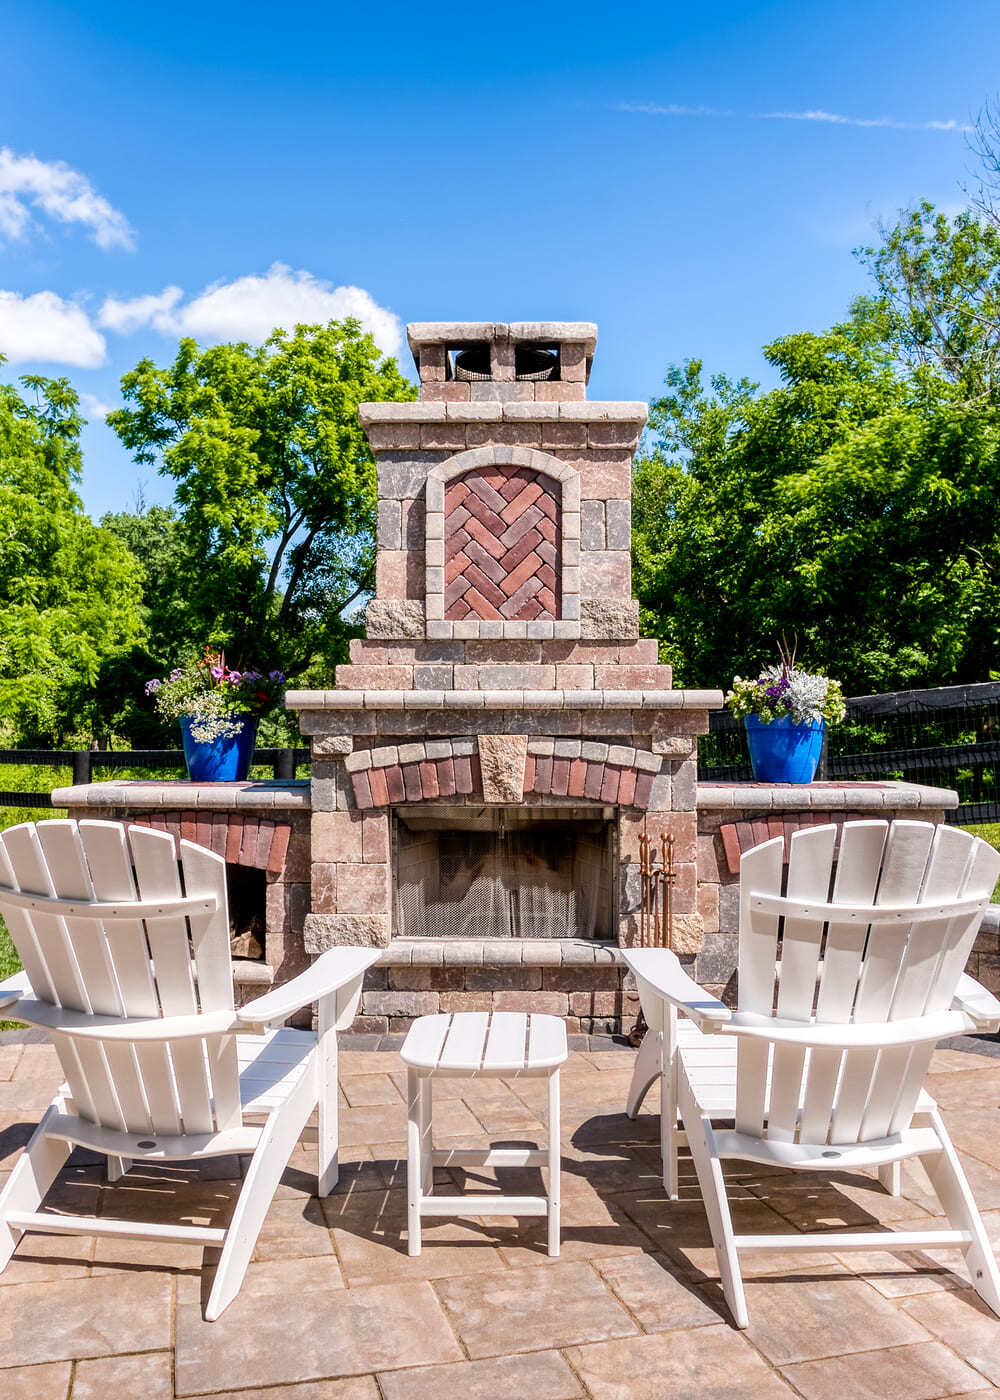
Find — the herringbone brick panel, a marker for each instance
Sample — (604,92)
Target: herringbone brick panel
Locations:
(502,552)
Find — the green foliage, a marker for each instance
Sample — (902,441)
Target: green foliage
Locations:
(272,541)
(938,295)
(69,591)
(854,506)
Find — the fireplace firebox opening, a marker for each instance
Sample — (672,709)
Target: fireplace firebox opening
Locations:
(504,872)
(247,889)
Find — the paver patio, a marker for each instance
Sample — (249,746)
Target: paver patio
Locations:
(333,1309)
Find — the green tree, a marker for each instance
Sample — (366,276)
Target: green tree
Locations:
(853,505)
(275,490)
(70,592)
(937,297)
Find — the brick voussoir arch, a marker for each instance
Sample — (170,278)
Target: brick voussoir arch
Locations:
(486,592)
(605,773)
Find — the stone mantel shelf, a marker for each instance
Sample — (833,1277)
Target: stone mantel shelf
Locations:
(504,700)
(286,795)
(829,797)
(500,952)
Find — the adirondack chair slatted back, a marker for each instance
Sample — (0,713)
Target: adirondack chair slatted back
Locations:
(177,966)
(851,973)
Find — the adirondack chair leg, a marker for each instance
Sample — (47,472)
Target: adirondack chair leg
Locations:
(891,1177)
(949,1181)
(116,1167)
(414,1164)
(280,1134)
(328,1088)
(554,1165)
(701,1141)
(646,1072)
(35,1171)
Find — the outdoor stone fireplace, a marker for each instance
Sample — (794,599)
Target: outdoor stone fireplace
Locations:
(486,764)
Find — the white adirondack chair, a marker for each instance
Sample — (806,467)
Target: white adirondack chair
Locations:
(125,949)
(843,996)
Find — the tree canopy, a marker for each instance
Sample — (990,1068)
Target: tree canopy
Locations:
(854,505)
(70,592)
(271,542)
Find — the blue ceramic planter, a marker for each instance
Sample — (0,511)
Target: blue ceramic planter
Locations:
(223,760)
(783,751)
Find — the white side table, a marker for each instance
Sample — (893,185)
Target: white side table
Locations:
(476,1045)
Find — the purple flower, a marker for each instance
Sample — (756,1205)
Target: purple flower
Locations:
(217,673)
(276,676)
(153,686)
(235,677)
(176,673)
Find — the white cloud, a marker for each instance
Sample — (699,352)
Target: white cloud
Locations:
(45,327)
(94,407)
(249,308)
(674,109)
(156,310)
(61,193)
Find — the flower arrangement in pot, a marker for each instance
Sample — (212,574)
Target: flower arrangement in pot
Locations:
(218,709)
(785,712)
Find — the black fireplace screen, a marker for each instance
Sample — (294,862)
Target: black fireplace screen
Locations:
(503,873)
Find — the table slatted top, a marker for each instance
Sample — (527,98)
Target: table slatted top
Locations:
(476,1042)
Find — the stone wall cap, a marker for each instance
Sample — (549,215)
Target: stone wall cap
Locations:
(456,332)
(831,797)
(284,795)
(403,411)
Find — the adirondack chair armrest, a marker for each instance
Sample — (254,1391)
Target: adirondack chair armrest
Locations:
(14,988)
(659,970)
(334,971)
(980,1005)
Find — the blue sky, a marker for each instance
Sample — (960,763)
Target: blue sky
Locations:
(691,179)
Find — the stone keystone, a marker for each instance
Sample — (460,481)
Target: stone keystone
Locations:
(502,759)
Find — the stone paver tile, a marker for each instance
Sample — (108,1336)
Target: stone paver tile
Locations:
(609,1059)
(371,1239)
(28,1093)
(543,1375)
(146,1377)
(370,1090)
(593,1227)
(387,1123)
(47,1258)
(984,1182)
(293,1229)
(965,1324)
(369,1062)
(656,1298)
(707,1363)
(10,1057)
(283,1277)
(390,1161)
(49,1381)
(350,1388)
(816,1203)
(925,1371)
(680,1229)
(943,1061)
(975,1131)
(903,1273)
(351,1331)
(566,1304)
(976,1088)
(112,1255)
(85,1317)
(805,1316)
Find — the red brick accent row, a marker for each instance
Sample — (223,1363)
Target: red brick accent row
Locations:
(417,782)
(502,545)
(579,777)
(250,840)
(742,836)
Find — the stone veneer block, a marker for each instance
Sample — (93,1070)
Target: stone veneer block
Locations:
(502,760)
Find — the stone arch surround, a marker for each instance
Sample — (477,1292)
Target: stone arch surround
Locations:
(566,622)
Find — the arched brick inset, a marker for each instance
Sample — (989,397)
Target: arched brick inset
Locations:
(502,545)
(240,840)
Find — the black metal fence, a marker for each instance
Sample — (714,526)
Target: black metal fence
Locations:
(948,737)
(87,764)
